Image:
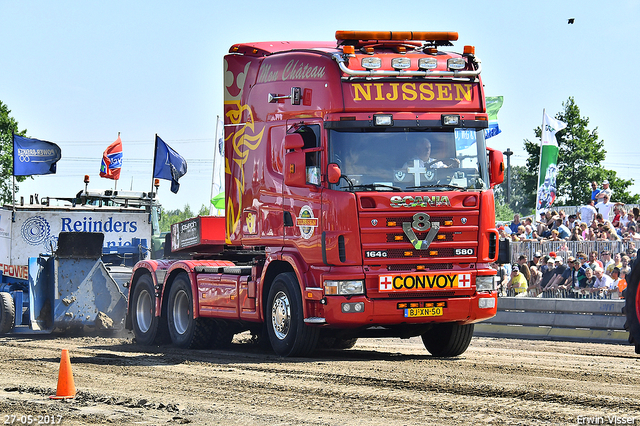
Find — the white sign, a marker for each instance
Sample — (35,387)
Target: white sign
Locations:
(36,231)
(5,236)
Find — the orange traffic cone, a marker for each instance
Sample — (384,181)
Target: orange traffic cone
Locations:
(66,388)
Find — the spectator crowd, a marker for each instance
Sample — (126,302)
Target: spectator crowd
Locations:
(585,275)
(598,220)
(565,274)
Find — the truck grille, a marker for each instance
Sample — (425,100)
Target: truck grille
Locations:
(384,240)
(400,237)
(413,267)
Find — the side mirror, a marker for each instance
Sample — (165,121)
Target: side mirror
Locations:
(496,167)
(333,173)
(293,141)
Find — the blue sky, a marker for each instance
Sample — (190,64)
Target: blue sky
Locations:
(78,72)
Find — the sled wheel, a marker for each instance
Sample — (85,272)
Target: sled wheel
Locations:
(7,313)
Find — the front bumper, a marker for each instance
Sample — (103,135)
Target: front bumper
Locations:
(385,312)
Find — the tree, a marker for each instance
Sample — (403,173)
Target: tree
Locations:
(8,126)
(579,162)
(517,196)
(170,217)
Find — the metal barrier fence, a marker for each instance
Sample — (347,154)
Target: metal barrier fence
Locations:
(557,319)
(564,248)
(564,294)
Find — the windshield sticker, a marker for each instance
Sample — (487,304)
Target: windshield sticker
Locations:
(464,138)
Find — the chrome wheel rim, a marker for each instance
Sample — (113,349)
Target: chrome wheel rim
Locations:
(281,315)
(144,311)
(181,312)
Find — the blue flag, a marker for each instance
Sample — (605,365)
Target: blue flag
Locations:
(169,164)
(34,157)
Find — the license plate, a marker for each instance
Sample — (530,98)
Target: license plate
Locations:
(423,312)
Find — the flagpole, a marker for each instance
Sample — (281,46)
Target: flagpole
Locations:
(115,187)
(153,166)
(13,188)
(213,172)
(539,166)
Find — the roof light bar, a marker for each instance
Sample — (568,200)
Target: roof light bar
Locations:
(342,63)
(397,35)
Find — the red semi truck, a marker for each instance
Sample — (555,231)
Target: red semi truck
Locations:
(359,203)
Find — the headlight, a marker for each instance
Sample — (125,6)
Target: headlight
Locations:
(371,63)
(427,63)
(401,63)
(456,63)
(485,283)
(486,303)
(343,288)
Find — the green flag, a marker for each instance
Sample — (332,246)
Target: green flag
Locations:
(548,162)
(218,201)
(494,104)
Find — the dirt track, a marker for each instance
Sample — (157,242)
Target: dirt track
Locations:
(379,382)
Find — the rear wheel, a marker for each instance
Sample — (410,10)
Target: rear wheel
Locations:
(342,344)
(7,313)
(288,334)
(448,339)
(335,343)
(148,328)
(222,334)
(632,309)
(185,330)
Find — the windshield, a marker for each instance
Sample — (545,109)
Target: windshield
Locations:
(401,159)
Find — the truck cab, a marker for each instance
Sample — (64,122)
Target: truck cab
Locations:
(359,184)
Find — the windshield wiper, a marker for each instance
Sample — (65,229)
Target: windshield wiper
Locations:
(374,186)
(439,185)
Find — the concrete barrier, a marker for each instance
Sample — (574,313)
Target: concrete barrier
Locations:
(580,320)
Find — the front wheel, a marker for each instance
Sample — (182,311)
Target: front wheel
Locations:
(7,313)
(448,339)
(148,328)
(288,334)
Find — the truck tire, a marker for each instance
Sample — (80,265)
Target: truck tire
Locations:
(7,313)
(186,331)
(343,344)
(448,339)
(222,335)
(288,334)
(148,328)
(632,309)
(335,343)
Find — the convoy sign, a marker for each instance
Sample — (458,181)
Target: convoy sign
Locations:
(422,282)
